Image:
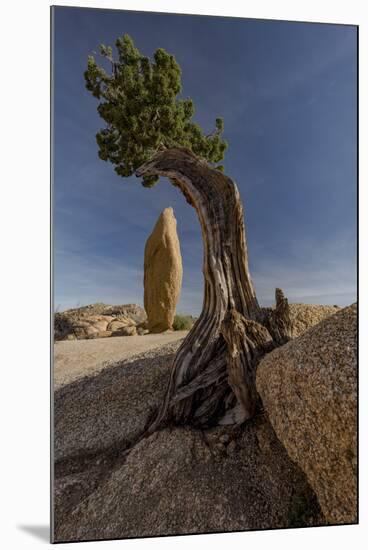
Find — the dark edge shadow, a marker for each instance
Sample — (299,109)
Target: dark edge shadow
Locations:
(357,260)
(40,532)
(52,107)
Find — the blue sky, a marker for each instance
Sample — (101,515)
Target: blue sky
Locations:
(287,93)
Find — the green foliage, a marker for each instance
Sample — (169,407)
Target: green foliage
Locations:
(138,101)
(183,322)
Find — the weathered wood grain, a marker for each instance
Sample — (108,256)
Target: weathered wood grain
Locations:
(212,378)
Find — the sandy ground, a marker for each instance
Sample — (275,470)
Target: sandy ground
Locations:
(74,359)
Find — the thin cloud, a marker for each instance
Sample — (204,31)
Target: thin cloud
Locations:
(311,272)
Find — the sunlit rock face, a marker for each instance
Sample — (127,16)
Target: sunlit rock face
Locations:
(309,390)
(163,273)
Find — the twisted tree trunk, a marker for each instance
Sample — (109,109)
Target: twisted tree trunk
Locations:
(213,374)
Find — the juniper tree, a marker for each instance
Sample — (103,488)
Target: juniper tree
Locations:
(140,105)
(150,132)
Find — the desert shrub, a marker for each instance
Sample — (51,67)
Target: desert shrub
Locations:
(183,322)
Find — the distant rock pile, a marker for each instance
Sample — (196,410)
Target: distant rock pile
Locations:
(100,321)
(309,390)
(304,316)
(163,272)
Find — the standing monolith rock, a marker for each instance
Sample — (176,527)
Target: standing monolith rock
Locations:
(309,390)
(163,273)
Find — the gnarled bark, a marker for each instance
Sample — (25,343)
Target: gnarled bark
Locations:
(213,373)
(278,320)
